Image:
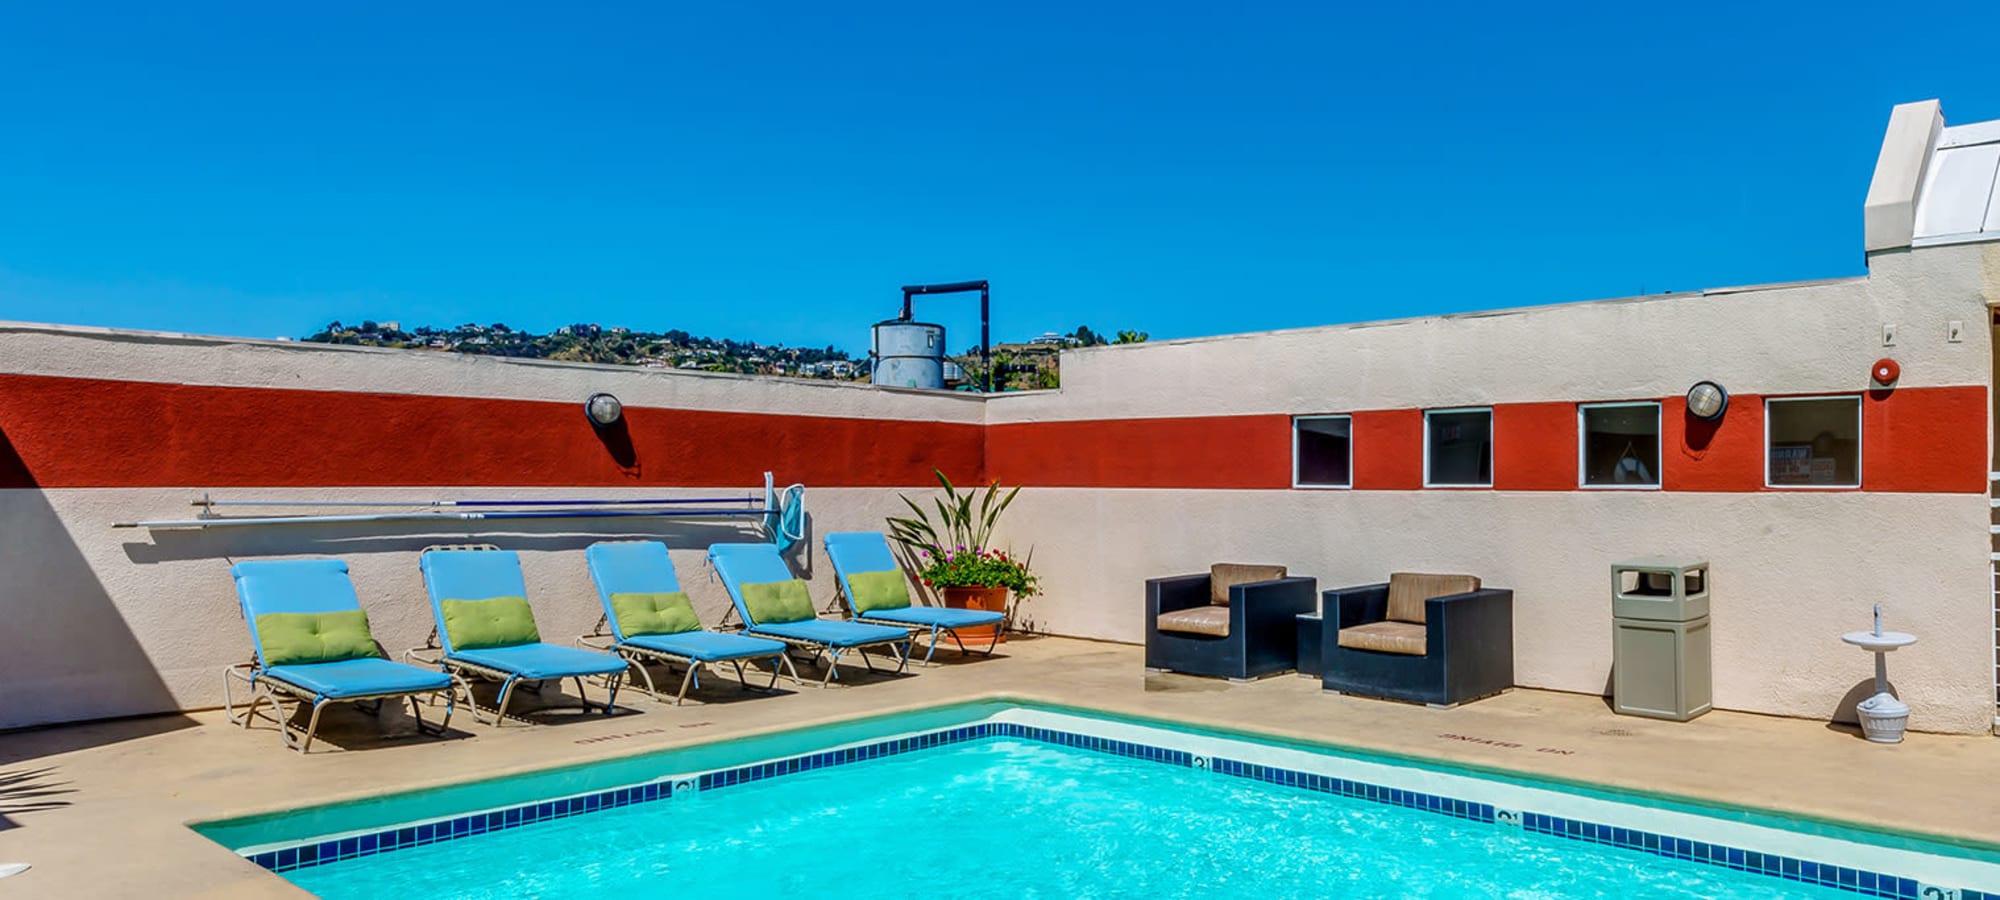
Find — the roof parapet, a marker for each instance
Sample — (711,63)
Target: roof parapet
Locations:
(1889,216)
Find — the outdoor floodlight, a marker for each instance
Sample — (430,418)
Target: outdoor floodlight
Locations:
(603,409)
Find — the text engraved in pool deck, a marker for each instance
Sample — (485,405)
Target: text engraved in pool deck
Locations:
(1504,745)
(620,736)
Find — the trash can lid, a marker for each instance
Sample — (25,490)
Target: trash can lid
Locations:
(1662,562)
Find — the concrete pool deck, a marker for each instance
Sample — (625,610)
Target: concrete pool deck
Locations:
(100,809)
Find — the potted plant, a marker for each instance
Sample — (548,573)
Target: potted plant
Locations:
(952,555)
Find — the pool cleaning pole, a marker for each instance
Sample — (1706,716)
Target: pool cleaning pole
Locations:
(367,504)
(440,516)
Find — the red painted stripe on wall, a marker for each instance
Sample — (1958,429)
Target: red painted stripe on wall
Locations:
(1925,440)
(69,432)
(1914,440)
(1204,452)
(1726,455)
(72,432)
(1388,450)
(1534,447)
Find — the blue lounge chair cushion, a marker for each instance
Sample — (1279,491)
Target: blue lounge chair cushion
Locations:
(835,634)
(360,678)
(707,646)
(538,662)
(942,617)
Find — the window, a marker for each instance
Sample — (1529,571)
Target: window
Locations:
(1458,448)
(1620,445)
(1322,451)
(1812,442)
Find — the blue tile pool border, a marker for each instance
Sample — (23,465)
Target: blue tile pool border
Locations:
(391,839)
(1826,875)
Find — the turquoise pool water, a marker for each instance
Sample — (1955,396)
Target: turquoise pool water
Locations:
(1010,818)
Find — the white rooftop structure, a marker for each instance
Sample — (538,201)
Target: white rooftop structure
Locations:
(1934,184)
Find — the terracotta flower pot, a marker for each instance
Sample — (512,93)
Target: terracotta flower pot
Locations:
(992,599)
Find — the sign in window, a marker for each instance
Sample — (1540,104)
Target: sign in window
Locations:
(1812,442)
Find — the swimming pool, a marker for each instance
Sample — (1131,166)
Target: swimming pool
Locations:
(1015,800)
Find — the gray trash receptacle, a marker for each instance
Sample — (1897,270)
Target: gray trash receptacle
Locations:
(1660,664)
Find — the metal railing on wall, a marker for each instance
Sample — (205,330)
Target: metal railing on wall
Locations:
(781,512)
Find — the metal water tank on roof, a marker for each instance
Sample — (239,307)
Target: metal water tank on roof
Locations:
(908,354)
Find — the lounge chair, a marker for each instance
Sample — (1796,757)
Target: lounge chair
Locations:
(313,646)
(649,619)
(1238,622)
(486,629)
(775,604)
(1439,640)
(872,584)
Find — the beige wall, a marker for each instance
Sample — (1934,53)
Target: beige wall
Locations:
(109,622)
(1810,337)
(1792,570)
(190,359)
(105,622)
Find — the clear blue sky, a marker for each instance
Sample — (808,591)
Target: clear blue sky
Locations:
(768,172)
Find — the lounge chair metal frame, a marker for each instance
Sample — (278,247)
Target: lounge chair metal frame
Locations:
(843,604)
(820,648)
(264,686)
(636,657)
(432,654)
(900,649)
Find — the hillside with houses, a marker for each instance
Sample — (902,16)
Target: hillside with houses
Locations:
(584,342)
(1027,365)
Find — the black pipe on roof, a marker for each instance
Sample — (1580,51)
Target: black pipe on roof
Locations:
(985,329)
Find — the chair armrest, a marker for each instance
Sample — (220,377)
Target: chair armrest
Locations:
(1265,604)
(1170,594)
(1459,622)
(1348,607)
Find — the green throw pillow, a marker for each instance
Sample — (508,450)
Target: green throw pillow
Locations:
(879,590)
(667,612)
(776,602)
(301,638)
(493,622)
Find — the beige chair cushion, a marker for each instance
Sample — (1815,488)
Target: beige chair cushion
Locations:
(1408,591)
(1387,637)
(1222,575)
(1209,620)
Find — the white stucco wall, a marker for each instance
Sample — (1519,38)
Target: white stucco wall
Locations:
(1812,336)
(105,622)
(1791,569)
(75,352)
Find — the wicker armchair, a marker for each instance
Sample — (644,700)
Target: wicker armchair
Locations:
(1237,622)
(1434,639)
